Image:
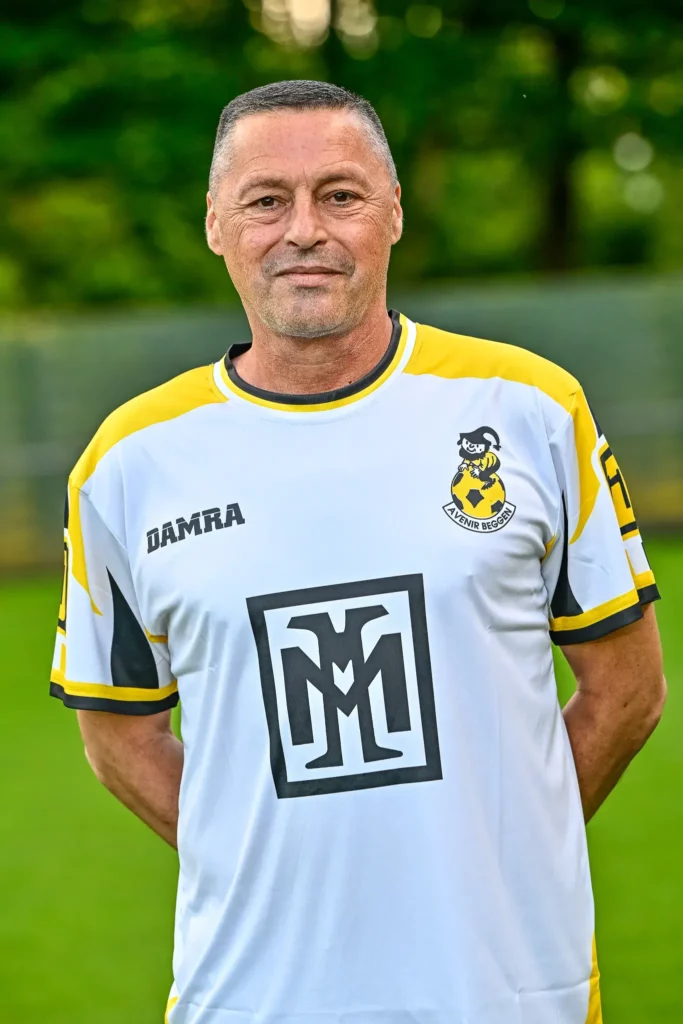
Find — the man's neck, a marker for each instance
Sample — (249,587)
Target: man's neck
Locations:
(309,366)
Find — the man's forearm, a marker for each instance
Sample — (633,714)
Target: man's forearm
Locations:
(604,740)
(141,768)
(618,703)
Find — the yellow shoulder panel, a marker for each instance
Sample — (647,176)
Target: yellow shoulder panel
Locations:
(168,401)
(174,398)
(455,355)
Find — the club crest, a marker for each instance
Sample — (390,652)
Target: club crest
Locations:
(478,492)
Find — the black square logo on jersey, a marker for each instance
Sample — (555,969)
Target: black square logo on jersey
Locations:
(347,686)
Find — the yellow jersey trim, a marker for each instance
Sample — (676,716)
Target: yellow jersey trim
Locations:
(176,397)
(549,546)
(322,406)
(156,639)
(594,1015)
(105,692)
(643,579)
(61,615)
(442,354)
(603,611)
(169,1006)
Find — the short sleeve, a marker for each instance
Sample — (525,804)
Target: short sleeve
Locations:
(105,660)
(597,574)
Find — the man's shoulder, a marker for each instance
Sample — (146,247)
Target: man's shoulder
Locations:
(168,401)
(457,356)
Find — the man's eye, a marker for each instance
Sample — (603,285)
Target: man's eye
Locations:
(342,196)
(266,202)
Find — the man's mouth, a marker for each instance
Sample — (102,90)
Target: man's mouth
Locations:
(308,269)
(309,275)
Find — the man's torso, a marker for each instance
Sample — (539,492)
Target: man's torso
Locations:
(379,817)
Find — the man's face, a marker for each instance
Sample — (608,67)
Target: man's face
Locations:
(305,216)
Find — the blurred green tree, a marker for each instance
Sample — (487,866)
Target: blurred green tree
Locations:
(530,135)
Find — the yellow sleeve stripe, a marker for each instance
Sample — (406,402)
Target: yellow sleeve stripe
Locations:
(61,615)
(603,611)
(175,398)
(455,355)
(585,438)
(105,692)
(644,579)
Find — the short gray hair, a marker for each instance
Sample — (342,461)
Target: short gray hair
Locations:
(296,95)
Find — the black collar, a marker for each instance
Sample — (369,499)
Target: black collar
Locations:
(323,396)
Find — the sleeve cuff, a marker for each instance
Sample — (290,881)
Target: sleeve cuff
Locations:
(647,595)
(89,697)
(605,619)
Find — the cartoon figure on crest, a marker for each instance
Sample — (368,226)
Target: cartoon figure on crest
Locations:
(478,492)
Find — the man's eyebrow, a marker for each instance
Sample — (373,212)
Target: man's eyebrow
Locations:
(275,181)
(342,174)
(262,181)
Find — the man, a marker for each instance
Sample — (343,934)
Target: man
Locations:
(347,547)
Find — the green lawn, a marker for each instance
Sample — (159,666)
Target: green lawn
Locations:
(87,893)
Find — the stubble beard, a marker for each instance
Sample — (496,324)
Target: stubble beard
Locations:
(316,312)
(304,318)
(311,316)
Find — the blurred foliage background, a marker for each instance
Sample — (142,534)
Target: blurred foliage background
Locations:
(530,136)
(540,149)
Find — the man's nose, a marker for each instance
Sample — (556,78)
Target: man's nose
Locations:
(305,227)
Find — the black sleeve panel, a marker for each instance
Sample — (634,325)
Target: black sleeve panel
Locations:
(132,660)
(564,602)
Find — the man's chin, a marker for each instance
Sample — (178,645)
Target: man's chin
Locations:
(309,317)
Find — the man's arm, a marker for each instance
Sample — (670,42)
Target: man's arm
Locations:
(618,702)
(140,761)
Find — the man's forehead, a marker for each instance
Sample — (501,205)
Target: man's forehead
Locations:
(287,140)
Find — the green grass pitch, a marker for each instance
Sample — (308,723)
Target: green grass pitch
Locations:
(87,892)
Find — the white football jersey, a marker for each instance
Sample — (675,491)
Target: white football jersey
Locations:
(353,595)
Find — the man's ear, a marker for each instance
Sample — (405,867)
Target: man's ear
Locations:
(213,234)
(396,216)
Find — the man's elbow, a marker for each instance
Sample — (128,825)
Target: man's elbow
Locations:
(659,702)
(101,770)
(654,709)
